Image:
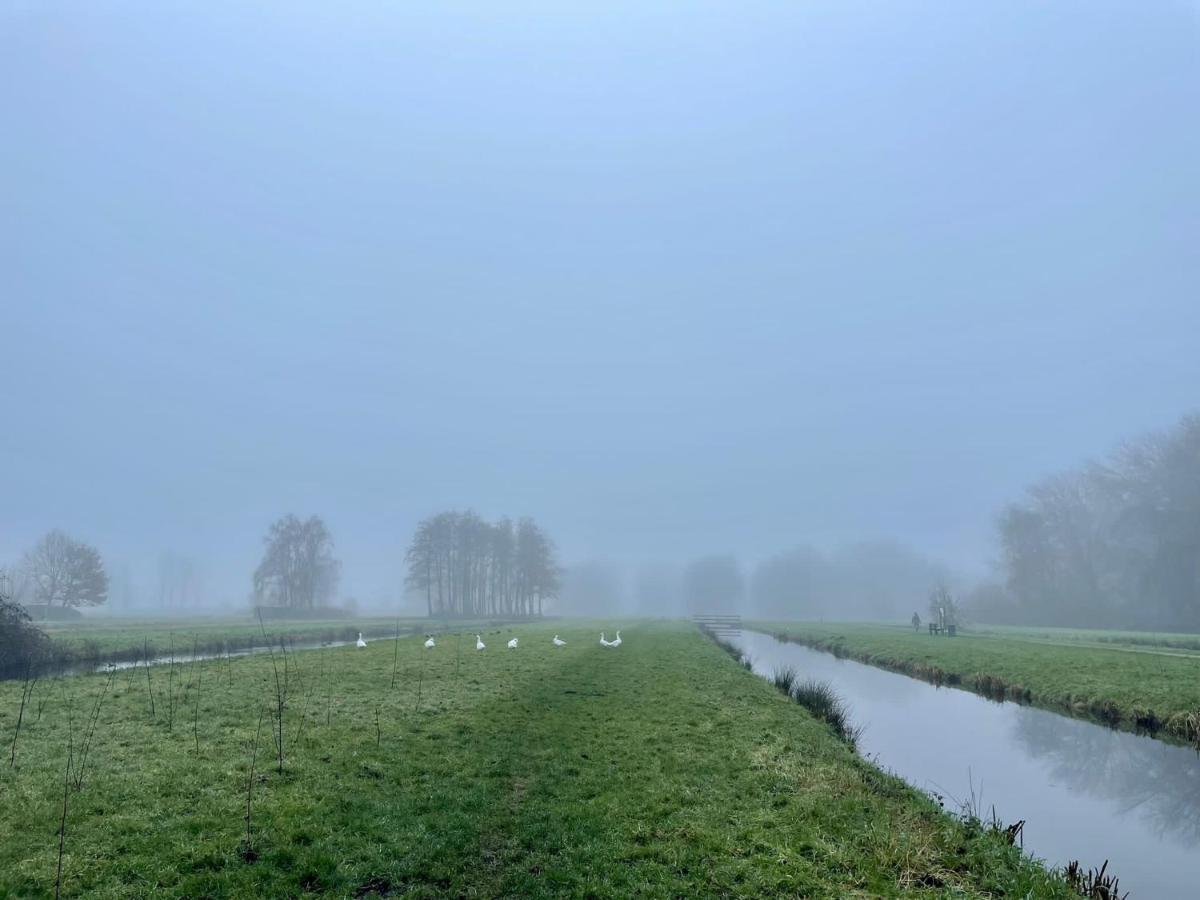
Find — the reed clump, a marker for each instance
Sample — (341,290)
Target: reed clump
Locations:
(784,678)
(819,698)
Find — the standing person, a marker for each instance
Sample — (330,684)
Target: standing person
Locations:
(916,622)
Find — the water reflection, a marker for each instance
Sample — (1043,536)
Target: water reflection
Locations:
(1143,777)
(1085,791)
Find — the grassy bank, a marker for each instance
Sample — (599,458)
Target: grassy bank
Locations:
(659,769)
(1123,686)
(95,641)
(1134,640)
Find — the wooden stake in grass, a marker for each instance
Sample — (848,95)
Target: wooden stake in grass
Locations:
(420,682)
(395,652)
(171,684)
(149,685)
(62,824)
(26,691)
(91,730)
(279,693)
(42,701)
(196,708)
(303,714)
(329,696)
(378,728)
(248,853)
(192,668)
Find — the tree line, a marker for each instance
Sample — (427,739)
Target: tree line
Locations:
(1114,543)
(460,564)
(864,580)
(466,566)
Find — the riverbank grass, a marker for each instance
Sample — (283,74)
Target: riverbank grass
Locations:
(1129,685)
(659,769)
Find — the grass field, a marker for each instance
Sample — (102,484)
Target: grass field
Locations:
(1105,676)
(660,769)
(1165,641)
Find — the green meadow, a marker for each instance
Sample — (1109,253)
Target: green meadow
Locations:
(660,769)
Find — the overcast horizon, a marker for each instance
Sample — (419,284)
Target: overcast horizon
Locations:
(766,275)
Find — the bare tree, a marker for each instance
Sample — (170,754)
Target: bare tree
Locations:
(61,571)
(943,608)
(298,568)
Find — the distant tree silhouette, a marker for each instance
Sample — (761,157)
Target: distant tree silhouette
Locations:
(61,571)
(464,566)
(298,569)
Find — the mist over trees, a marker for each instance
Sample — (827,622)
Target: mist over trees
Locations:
(180,585)
(594,587)
(62,572)
(298,570)
(657,589)
(866,580)
(465,566)
(1115,543)
(714,584)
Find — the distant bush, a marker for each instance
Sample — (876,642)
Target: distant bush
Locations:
(22,644)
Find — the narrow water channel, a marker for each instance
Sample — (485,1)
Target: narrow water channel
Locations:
(182,657)
(1085,792)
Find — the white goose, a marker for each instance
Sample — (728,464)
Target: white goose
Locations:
(479,644)
(603,642)
(429,645)
(512,645)
(558,642)
(617,642)
(361,642)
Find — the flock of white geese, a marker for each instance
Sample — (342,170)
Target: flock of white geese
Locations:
(512,645)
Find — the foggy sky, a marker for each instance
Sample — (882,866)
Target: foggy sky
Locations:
(673,279)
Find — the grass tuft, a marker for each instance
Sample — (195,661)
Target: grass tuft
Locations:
(785,679)
(819,698)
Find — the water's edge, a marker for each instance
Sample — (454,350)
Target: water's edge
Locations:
(1085,790)
(997,691)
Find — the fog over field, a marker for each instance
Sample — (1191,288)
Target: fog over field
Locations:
(841,277)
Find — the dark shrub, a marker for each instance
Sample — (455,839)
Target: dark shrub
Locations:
(21,642)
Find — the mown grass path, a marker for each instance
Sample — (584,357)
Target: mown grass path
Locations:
(1125,686)
(660,769)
